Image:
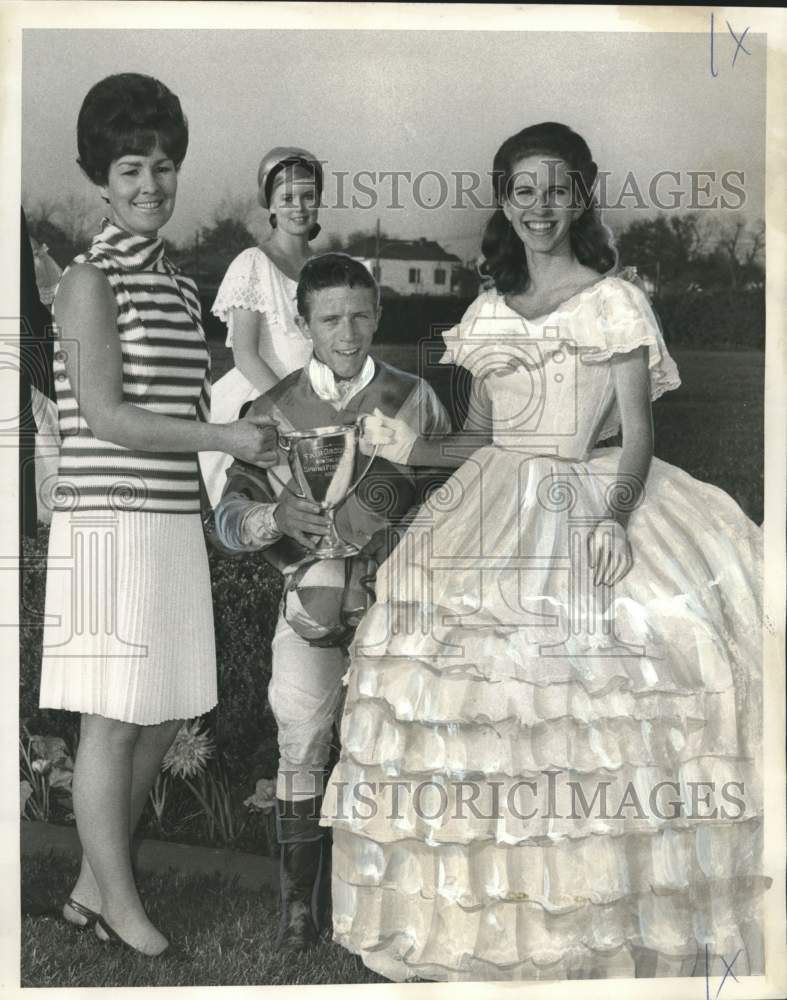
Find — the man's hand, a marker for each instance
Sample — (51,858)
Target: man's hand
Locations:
(300,518)
(394,439)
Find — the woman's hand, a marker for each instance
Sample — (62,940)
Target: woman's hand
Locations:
(86,314)
(393,438)
(253,439)
(609,551)
(246,331)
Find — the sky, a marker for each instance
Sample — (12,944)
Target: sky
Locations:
(418,101)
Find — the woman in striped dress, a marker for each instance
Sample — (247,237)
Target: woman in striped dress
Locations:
(128,640)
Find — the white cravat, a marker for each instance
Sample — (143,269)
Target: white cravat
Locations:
(338,392)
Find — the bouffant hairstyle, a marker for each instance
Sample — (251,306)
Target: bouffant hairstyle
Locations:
(128,113)
(332,270)
(504,258)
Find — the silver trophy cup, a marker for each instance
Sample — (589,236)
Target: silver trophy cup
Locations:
(322,463)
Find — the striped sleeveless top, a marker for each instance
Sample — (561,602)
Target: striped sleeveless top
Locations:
(166,369)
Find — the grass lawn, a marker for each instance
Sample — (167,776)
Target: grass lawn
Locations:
(224,936)
(712,427)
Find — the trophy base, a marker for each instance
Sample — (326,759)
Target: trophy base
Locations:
(332,545)
(337,551)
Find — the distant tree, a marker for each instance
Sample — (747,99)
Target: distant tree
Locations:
(66,226)
(60,247)
(662,248)
(208,255)
(226,236)
(229,231)
(367,236)
(684,251)
(331,241)
(741,249)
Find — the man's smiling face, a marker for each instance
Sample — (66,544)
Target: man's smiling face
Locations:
(341,323)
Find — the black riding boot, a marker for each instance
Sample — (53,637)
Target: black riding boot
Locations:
(300,871)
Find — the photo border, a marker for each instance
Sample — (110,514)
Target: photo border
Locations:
(17,17)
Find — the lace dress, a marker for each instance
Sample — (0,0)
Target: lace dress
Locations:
(252,282)
(519,794)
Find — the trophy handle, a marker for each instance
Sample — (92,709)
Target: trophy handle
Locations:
(368,466)
(283,442)
(357,483)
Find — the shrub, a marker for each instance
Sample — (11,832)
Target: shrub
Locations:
(32,591)
(246,593)
(727,318)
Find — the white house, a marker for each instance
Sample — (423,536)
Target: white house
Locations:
(409,267)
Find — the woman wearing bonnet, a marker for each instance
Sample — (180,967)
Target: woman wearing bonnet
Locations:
(256,299)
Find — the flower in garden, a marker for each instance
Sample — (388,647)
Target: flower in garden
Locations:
(41,766)
(264,797)
(62,775)
(190,751)
(51,748)
(25,791)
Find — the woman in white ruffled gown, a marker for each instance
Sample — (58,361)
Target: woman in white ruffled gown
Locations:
(565,646)
(256,298)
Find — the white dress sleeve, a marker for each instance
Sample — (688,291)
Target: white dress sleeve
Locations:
(624,320)
(241,288)
(467,343)
(424,413)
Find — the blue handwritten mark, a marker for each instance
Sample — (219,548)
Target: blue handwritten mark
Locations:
(738,44)
(713,72)
(727,972)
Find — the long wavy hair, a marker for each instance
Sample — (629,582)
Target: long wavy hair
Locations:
(504,259)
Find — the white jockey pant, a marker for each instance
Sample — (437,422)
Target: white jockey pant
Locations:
(305,694)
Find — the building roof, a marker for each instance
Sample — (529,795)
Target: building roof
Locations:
(422,249)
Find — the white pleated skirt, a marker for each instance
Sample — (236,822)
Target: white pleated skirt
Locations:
(129,617)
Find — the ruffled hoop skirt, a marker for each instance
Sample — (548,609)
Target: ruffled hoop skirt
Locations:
(539,780)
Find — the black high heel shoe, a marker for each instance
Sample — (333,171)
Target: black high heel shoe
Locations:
(113,938)
(91,917)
